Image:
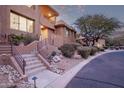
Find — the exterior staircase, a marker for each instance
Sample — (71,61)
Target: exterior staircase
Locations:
(5,49)
(33,64)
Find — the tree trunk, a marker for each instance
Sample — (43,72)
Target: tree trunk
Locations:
(93,42)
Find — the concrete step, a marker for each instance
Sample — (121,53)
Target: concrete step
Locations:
(5,46)
(29,67)
(5,52)
(28,55)
(31,59)
(33,62)
(35,71)
(4,49)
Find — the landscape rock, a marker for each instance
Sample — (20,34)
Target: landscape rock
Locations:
(9,78)
(57,70)
(77,57)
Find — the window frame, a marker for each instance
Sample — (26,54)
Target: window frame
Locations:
(66,32)
(27,19)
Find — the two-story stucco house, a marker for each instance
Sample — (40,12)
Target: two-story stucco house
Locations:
(34,20)
(39,20)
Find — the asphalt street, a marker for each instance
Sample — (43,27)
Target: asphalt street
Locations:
(105,71)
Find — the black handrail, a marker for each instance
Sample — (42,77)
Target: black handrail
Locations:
(15,53)
(19,59)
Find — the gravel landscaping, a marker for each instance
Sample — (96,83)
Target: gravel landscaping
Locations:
(67,63)
(10,78)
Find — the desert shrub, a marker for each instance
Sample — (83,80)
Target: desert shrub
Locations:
(84,51)
(68,50)
(28,39)
(16,39)
(106,47)
(101,49)
(93,50)
(75,45)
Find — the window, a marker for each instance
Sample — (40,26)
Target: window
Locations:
(66,33)
(21,23)
(30,26)
(14,21)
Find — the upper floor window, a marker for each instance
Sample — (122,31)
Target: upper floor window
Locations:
(21,23)
(66,32)
(30,26)
(14,21)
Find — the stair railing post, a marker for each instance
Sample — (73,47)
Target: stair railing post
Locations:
(24,67)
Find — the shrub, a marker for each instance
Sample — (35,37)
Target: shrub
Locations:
(93,50)
(16,39)
(101,49)
(84,51)
(105,47)
(68,50)
(28,39)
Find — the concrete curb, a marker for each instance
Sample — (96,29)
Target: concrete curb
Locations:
(63,80)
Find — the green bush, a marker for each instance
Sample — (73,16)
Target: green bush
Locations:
(101,49)
(16,39)
(106,47)
(68,50)
(28,39)
(93,50)
(84,51)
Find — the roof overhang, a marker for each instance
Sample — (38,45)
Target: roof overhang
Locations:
(46,10)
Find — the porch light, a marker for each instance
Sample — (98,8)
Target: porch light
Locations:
(42,27)
(49,14)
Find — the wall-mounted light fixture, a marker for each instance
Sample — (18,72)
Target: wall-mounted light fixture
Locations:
(49,14)
(42,27)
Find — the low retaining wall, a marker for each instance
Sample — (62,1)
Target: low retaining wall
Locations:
(5,60)
(9,60)
(32,47)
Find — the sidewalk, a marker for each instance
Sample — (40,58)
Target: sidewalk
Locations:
(44,78)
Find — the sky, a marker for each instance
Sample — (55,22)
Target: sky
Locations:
(69,13)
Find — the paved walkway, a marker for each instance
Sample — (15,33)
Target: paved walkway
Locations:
(44,78)
(106,71)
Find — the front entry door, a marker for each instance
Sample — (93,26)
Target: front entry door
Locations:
(44,36)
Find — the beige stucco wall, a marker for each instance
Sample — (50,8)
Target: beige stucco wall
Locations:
(0,26)
(21,10)
(61,38)
(45,22)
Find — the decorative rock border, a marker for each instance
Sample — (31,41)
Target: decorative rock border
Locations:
(14,78)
